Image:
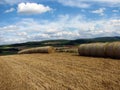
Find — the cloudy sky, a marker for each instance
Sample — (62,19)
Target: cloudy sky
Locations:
(36,20)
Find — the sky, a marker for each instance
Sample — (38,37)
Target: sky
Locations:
(36,20)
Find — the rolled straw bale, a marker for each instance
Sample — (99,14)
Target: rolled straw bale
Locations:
(98,49)
(113,50)
(46,49)
(94,49)
(109,50)
(83,50)
(86,50)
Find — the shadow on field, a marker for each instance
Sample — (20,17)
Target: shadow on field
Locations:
(7,53)
(106,58)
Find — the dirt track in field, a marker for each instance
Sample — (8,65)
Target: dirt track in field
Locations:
(58,71)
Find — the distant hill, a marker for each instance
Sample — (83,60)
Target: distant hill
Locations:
(60,42)
(93,40)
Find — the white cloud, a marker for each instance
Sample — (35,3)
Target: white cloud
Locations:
(88,3)
(9,28)
(9,10)
(22,34)
(65,27)
(115,11)
(74,3)
(32,8)
(100,11)
(11,2)
(107,1)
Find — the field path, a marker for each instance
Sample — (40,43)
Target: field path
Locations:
(58,71)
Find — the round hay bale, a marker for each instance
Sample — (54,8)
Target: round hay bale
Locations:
(98,49)
(117,49)
(84,50)
(81,50)
(46,49)
(109,50)
(113,50)
(87,50)
(94,49)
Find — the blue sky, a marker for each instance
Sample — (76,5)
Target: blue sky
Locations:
(36,20)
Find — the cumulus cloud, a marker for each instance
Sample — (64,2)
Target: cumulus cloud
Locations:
(64,27)
(32,8)
(100,11)
(9,10)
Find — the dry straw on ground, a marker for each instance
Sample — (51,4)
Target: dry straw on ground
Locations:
(100,49)
(46,49)
(58,71)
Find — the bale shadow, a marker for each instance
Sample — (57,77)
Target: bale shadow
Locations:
(113,58)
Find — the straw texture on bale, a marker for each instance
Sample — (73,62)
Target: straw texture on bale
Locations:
(46,49)
(111,50)
(95,49)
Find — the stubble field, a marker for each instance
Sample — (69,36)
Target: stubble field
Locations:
(58,71)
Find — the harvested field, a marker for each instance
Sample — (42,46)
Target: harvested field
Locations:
(58,71)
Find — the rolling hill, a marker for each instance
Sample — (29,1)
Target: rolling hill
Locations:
(13,48)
